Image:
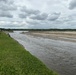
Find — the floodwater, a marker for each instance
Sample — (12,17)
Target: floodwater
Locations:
(57,55)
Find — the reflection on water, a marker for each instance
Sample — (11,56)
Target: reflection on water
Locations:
(18,32)
(57,55)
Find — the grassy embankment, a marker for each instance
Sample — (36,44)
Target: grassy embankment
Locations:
(15,60)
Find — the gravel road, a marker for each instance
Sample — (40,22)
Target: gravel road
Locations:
(57,55)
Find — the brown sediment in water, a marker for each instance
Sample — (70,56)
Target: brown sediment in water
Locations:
(56,35)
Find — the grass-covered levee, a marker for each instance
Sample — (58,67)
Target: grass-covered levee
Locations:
(15,60)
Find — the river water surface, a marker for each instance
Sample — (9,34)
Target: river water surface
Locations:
(57,55)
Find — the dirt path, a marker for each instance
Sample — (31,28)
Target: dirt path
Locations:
(58,55)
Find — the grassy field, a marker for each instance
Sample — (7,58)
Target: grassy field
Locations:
(15,60)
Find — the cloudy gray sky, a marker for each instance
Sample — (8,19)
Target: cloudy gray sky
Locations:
(37,13)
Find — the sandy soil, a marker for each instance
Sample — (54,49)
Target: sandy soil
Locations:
(57,50)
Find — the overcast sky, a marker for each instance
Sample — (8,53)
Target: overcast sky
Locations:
(37,14)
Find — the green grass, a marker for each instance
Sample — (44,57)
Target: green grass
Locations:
(15,60)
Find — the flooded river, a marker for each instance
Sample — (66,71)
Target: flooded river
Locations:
(57,55)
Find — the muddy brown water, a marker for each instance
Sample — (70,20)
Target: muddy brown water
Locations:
(57,55)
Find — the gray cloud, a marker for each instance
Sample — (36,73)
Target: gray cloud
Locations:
(23,15)
(37,15)
(42,16)
(6,14)
(72,4)
(7,5)
(3,0)
(29,11)
(54,16)
(7,1)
